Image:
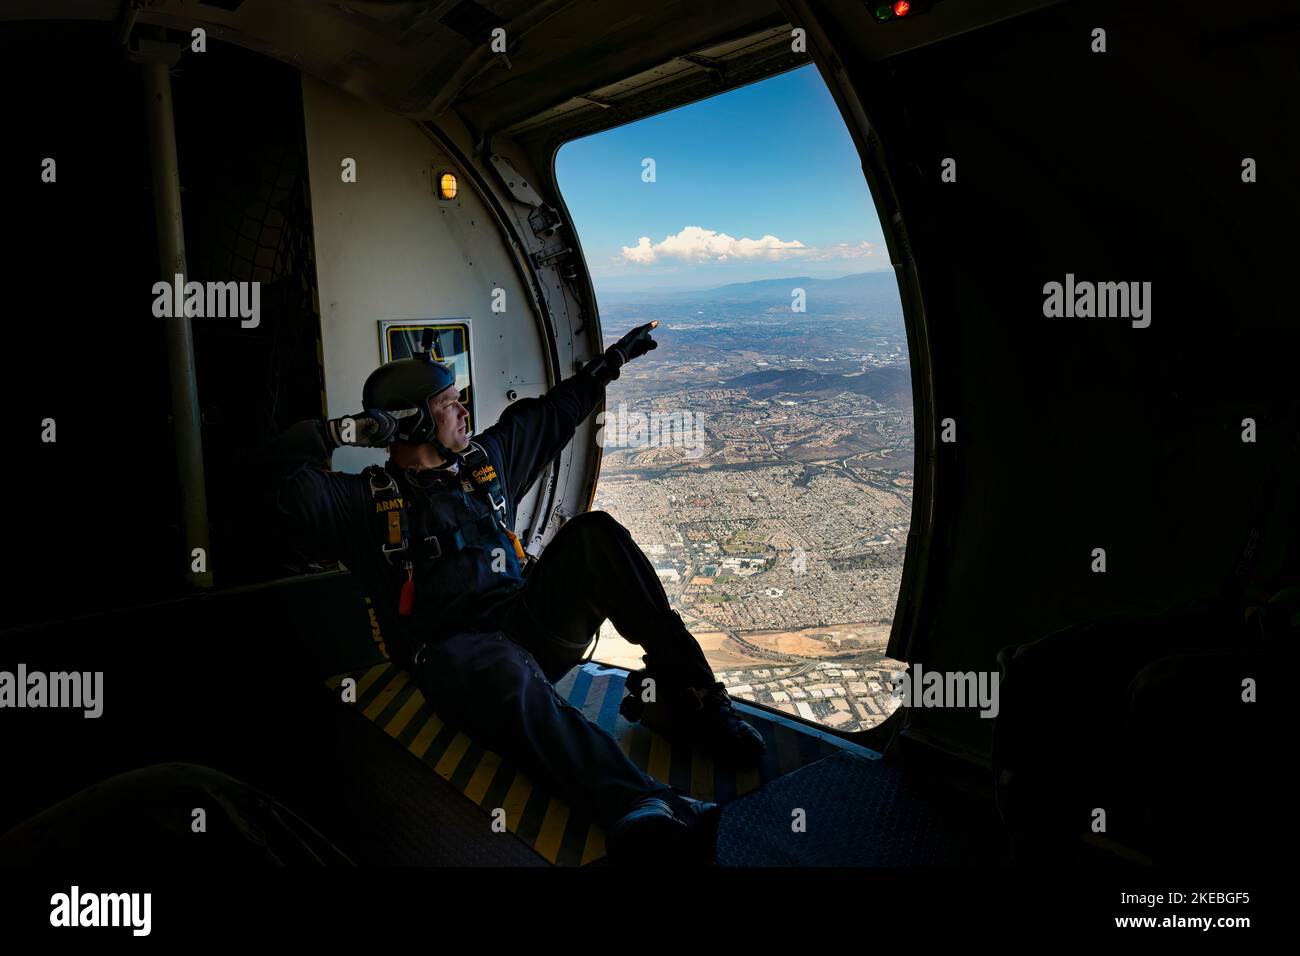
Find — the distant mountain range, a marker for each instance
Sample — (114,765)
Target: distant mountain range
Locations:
(889,386)
(873,292)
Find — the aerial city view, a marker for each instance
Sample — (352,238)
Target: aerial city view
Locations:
(762,458)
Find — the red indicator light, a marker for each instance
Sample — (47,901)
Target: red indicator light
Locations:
(901,8)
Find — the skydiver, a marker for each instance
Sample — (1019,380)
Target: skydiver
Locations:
(484,632)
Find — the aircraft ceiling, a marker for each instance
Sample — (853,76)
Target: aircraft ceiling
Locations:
(571,67)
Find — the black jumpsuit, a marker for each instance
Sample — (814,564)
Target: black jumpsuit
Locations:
(495,640)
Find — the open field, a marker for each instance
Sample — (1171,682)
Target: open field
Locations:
(725,654)
(822,641)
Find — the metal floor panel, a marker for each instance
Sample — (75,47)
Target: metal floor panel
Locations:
(894,819)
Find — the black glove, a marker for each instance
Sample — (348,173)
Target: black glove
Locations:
(369,429)
(633,345)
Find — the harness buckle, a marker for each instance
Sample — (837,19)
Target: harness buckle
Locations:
(375,487)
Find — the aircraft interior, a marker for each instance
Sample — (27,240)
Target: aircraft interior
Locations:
(1104,505)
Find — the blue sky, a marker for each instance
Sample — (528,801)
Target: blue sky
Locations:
(758,183)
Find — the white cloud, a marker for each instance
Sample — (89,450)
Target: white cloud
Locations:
(843,250)
(694,244)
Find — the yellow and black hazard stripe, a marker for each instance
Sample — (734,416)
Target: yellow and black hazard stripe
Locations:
(386,696)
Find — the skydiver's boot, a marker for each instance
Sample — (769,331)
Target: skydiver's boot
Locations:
(701,715)
(665,828)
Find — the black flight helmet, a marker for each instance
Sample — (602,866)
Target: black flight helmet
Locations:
(403,388)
